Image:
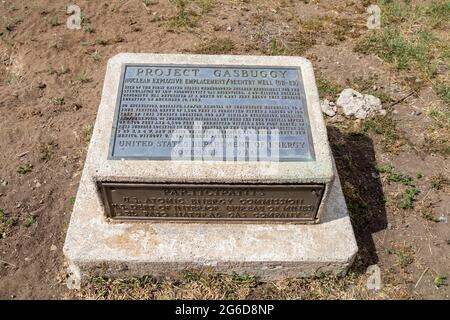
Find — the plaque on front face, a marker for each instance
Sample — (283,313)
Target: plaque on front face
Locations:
(209,202)
(156,100)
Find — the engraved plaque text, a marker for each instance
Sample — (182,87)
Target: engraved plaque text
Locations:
(206,202)
(155,100)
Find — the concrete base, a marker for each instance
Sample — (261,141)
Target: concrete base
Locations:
(270,251)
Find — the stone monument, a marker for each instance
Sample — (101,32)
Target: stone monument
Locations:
(218,162)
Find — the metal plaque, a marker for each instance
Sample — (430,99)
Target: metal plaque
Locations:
(209,202)
(156,100)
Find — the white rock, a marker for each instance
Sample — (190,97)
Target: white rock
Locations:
(53,247)
(351,102)
(372,102)
(359,105)
(328,107)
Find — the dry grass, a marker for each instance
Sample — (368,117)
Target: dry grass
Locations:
(439,182)
(327,89)
(187,285)
(295,46)
(194,285)
(7,221)
(412,39)
(437,135)
(216,46)
(385,126)
(188,13)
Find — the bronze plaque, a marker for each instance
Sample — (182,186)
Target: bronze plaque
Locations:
(156,100)
(211,202)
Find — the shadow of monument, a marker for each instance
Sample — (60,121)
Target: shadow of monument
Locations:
(356,165)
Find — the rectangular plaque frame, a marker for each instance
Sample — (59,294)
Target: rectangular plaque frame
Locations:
(312,192)
(112,144)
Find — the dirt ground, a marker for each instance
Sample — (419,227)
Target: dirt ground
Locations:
(395,169)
